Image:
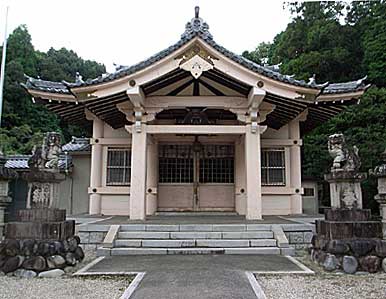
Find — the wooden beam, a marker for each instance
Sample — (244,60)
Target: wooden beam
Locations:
(211,88)
(192,129)
(180,88)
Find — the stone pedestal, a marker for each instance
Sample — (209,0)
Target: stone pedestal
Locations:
(380,173)
(348,234)
(345,188)
(5,176)
(41,224)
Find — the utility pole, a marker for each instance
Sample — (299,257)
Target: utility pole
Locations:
(2,72)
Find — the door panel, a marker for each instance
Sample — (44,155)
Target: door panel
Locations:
(200,180)
(175,197)
(217,197)
(176,176)
(216,182)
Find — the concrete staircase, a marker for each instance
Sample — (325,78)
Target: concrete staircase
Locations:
(149,239)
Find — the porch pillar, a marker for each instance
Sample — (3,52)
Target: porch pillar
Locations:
(96,167)
(151,177)
(295,169)
(253,172)
(138,172)
(240,185)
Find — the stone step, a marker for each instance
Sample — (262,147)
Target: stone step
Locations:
(151,243)
(195,227)
(194,235)
(196,250)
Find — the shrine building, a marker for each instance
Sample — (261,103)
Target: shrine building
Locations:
(195,128)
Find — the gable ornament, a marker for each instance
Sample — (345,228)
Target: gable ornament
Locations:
(196,60)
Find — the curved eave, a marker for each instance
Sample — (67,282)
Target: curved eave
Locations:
(343,95)
(51,96)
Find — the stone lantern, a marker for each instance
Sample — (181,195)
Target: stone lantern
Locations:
(380,173)
(5,176)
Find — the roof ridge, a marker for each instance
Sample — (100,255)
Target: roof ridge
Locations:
(196,27)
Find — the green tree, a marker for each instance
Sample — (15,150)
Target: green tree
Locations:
(261,54)
(340,42)
(23,122)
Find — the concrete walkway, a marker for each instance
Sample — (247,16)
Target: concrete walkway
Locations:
(198,276)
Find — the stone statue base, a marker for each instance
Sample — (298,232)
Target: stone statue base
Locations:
(4,202)
(349,240)
(40,242)
(345,188)
(41,224)
(381,199)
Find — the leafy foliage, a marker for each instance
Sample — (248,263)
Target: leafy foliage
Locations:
(24,122)
(338,43)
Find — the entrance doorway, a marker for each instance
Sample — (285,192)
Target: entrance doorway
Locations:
(196,177)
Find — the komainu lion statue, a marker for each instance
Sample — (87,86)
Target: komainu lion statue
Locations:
(46,156)
(345,158)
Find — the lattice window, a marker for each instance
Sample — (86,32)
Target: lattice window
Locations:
(217,164)
(118,167)
(176,163)
(309,192)
(273,167)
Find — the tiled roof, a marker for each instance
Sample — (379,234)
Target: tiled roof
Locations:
(334,88)
(20,162)
(195,28)
(77,145)
(47,86)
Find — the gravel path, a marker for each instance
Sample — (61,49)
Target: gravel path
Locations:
(329,287)
(62,288)
(65,287)
(323,285)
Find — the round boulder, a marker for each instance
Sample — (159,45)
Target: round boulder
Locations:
(384,265)
(11,264)
(337,247)
(36,263)
(51,273)
(349,264)
(331,263)
(44,248)
(370,263)
(72,244)
(361,247)
(79,254)
(22,273)
(51,248)
(28,247)
(12,247)
(56,261)
(59,249)
(380,248)
(2,248)
(70,259)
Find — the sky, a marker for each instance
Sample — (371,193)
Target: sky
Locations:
(126,32)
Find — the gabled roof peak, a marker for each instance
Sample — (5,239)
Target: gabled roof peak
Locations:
(197,26)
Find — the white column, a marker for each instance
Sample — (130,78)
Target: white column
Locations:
(96,168)
(151,177)
(253,173)
(295,168)
(240,184)
(138,173)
